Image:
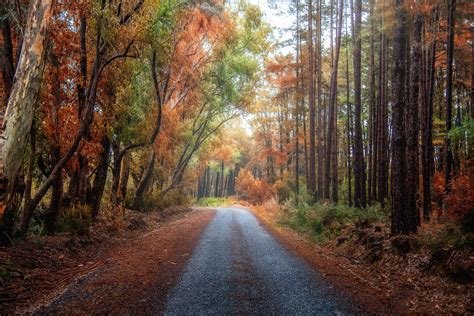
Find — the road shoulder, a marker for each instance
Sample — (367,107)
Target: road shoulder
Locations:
(367,296)
(131,274)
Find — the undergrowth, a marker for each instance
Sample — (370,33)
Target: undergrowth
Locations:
(214,201)
(324,222)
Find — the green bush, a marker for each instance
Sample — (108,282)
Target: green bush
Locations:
(326,221)
(159,201)
(76,220)
(213,201)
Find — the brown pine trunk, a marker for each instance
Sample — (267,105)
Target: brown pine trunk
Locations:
(372,172)
(382,143)
(312,143)
(472,72)
(297,106)
(449,92)
(320,128)
(359,164)
(331,152)
(400,218)
(412,127)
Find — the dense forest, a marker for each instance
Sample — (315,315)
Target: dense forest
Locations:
(103,96)
(134,105)
(372,106)
(348,121)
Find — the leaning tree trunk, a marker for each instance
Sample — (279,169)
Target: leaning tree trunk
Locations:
(19,113)
(145,182)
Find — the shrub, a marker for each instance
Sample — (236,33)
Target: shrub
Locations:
(214,201)
(76,220)
(159,201)
(283,191)
(459,202)
(255,191)
(326,221)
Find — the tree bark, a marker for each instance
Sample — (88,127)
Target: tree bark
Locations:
(124,175)
(100,177)
(400,218)
(412,128)
(449,93)
(348,124)
(145,181)
(312,143)
(359,164)
(8,65)
(373,131)
(17,120)
(320,118)
(472,72)
(331,147)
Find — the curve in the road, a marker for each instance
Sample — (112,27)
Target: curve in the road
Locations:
(239,268)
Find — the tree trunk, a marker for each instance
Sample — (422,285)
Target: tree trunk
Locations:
(312,143)
(297,106)
(8,65)
(348,125)
(449,92)
(331,147)
(400,218)
(100,178)
(124,175)
(145,181)
(372,172)
(472,72)
(412,127)
(359,164)
(17,120)
(320,128)
(25,216)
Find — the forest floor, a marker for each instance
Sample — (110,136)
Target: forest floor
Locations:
(379,279)
(111,270)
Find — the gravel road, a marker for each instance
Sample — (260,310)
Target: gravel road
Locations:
(239,268)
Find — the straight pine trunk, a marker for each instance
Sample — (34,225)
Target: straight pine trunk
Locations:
(359,164)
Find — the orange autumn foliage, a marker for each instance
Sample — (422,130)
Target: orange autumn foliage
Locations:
(460,200)
(253,190)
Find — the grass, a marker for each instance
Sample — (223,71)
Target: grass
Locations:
(214,201)
(324,222)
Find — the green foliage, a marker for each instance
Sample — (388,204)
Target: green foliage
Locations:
(214,201)
(464,132)
(159,201)
(5,272)
(449,237)
(76,220)
(325,221)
